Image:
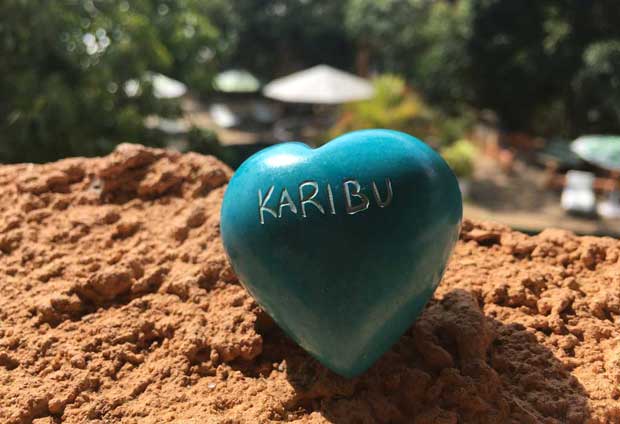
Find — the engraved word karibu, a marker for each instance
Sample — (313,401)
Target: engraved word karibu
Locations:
(308,191)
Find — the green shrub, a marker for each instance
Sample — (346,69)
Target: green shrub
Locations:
(204,141)
(460,157)
(449,128)
(398,107)
(394,106)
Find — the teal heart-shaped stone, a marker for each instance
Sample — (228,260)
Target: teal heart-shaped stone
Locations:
(343,245)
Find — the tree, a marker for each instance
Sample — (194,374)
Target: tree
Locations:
(393,106)
(386,31)
(535,62)
(274,38)
(597,88)
(193,33)
(511,70)
(442,69)
(426,41)
(65,66)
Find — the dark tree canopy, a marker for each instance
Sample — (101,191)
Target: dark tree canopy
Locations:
(547,67)
(274,38)
(64,67)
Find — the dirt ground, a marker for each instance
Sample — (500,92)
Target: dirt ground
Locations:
(117,304)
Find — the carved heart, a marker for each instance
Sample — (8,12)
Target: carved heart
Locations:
(343,245)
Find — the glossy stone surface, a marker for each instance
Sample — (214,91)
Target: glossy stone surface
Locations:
(343,245)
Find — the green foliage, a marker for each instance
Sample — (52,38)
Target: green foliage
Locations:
(597,87)
(65,65)
(273,38)
(529,62)
(506,52)
(187,31)
(544,66)
(460,156)
(205,142)
(449,128)
(442,66)
(427,43)
(394,106)
(387,29)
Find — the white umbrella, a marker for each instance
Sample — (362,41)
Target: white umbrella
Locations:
(163,87)
(236,81)
(167,88)
(601,150)
(321,84)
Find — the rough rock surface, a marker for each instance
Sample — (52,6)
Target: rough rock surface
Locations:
(117,304)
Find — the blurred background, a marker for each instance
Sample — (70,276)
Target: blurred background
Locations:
(522,98)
